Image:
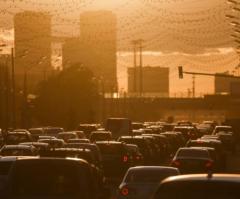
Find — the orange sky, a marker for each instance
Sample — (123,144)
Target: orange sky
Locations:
(183,30)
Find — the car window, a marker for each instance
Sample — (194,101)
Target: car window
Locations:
(193,153)
(148,176)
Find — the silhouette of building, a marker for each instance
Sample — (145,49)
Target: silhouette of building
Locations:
(227,85)
(32,48)
(96,47)
(155,81)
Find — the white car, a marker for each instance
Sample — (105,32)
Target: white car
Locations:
(142,182)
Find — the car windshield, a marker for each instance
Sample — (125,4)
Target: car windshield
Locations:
(193,153)
(148,176)
(50,179)
(199,190)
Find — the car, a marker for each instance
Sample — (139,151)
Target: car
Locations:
(5,167)
(192,160)
(100,136)
(13,138)
(198,186)
(67,135)
(92,147)
(53,143)
(53,131)
(116,158)
(142,182)
(36,132)
(88,128)
(189,132)
(216,144)
(18,150)
(40,146)
(66,178)
(143,145)
(136,155)
(226,129)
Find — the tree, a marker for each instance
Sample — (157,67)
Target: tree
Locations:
(67,98)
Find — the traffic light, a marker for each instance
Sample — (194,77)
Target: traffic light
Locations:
(180,72)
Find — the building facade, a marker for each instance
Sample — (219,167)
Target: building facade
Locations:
(96,48)
(227,85)
(155,81)
(32,48)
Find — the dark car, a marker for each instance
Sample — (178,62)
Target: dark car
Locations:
(53,143)
(53,131)
(143,146)
(40,146)
(13,138)
(66,178)
(100,136)
(92,147)
(216,144)
(192,160)
(137,157)
(116,158)
(36,132)
(18,150)
(67,135)
(199,186)
(88,128)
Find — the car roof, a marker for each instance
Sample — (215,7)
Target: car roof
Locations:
(204,177)
(192,149)
(17,147)
(14,158)
(77,160)
(152,168)
(108,142)
(67,133)
(34,143)
(202,147)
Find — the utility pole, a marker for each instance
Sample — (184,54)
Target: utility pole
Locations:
(135,66)
(141,68)
(7,95)
(194,86)
(13,90)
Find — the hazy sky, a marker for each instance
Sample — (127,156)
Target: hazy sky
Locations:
(193,33)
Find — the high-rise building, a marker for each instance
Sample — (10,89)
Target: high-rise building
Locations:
(227,85)
(96,47)
(155,81)
(32,48)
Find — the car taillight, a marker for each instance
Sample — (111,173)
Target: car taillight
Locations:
(124,191)
(176,163)
(125,158)
(138,157)
(209,164)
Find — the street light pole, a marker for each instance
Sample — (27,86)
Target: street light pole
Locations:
(13,90)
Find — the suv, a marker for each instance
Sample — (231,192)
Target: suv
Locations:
(66,178)
(116,158)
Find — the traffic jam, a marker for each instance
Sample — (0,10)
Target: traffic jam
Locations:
(121,160)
